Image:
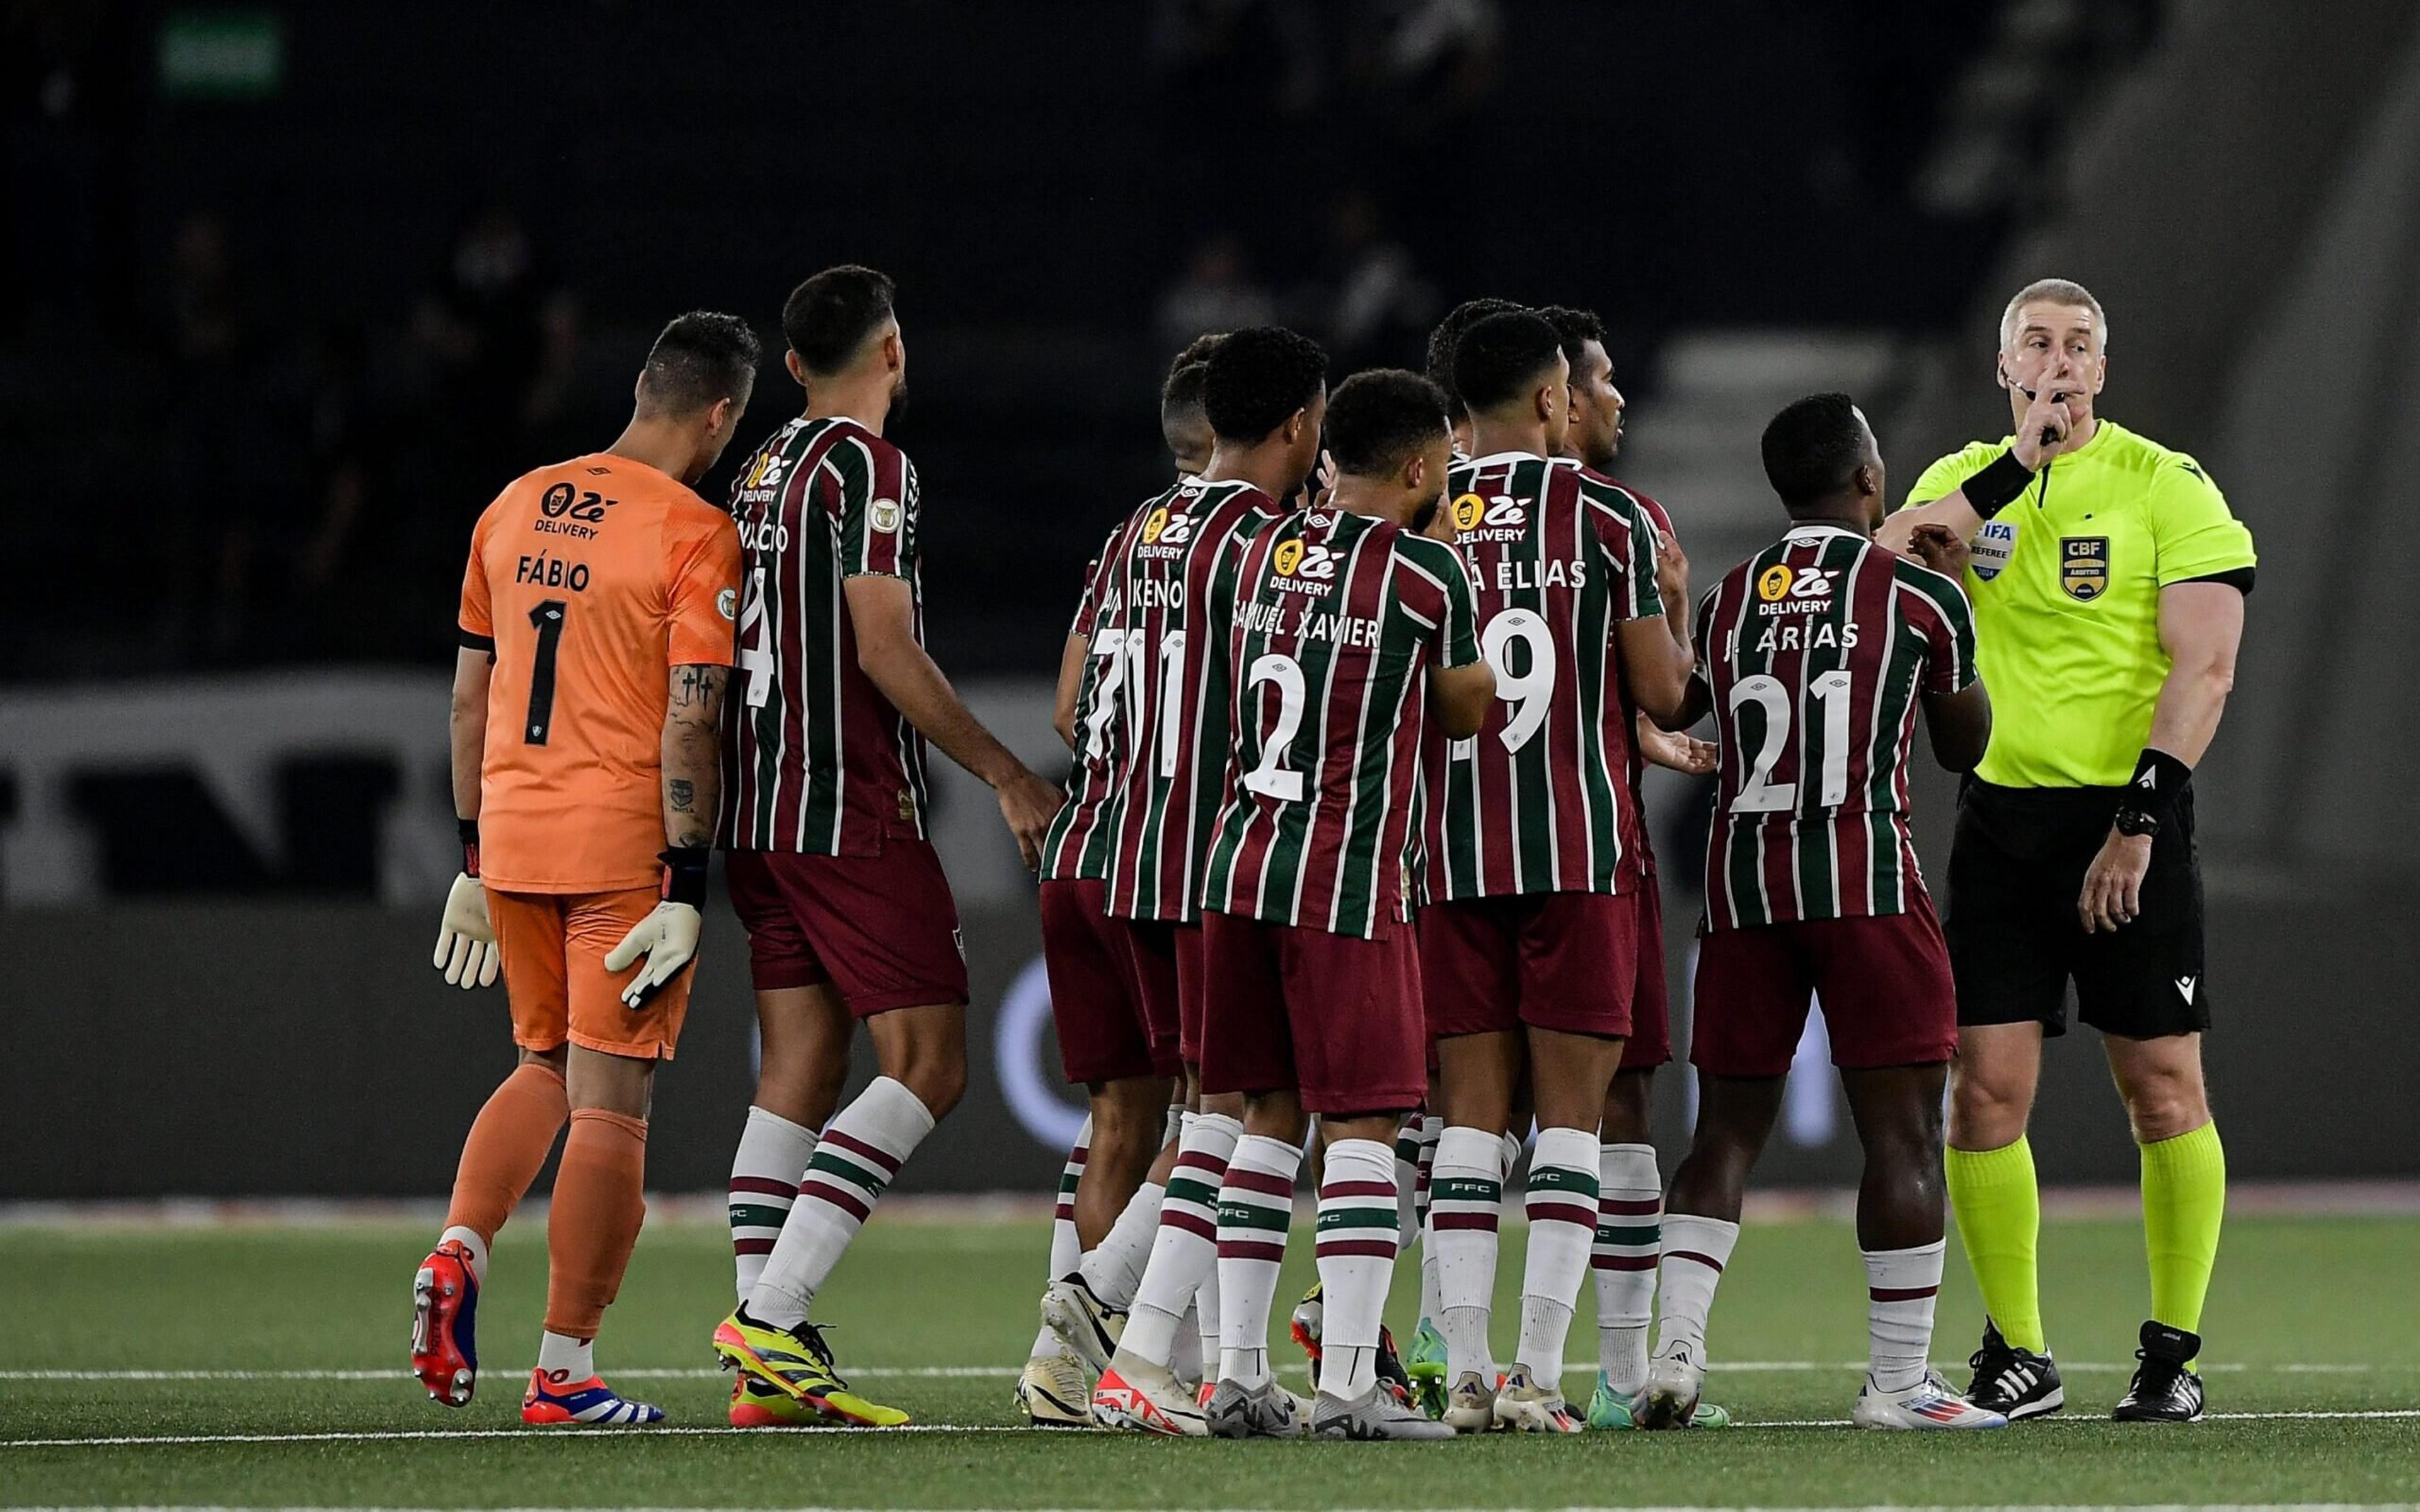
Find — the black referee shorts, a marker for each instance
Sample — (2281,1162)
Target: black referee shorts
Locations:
(2016,869)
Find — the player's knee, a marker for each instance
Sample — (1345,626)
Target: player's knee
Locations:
(1987,1112)
(939,1080)
(2164,1105)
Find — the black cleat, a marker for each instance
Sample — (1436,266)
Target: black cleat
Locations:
(2016,1384)
(2165,1391)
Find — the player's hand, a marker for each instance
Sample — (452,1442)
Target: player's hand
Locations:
(2113,885)
(1938,548)
(668,938)
(1323,480)
(2042,433)
(1673,571)
(1029,804)
(1674,749)
(466,942)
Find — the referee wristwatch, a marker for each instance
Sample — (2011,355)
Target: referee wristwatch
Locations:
(2135,823)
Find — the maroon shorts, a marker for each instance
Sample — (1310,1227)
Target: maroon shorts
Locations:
(1106,1030)
(1883,985)
(1187,939)
(1565,960)
(1335,1018)
(882,930)
(1650,1044)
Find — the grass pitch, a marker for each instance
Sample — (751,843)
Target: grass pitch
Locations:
(265,1366)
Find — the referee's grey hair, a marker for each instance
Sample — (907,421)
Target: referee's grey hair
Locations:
(2052,291)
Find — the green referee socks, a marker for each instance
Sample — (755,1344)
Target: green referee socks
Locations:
(2184,1196)
(1999,1217)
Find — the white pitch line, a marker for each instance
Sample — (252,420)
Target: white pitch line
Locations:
(2170,1506)
(382,1435)
(1006,1372)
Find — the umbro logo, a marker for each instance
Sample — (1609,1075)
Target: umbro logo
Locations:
(2186,985)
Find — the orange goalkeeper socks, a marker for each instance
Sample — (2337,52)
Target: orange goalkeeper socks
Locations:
(508,1143)
(595,1218)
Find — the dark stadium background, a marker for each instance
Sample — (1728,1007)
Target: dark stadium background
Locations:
(287,292)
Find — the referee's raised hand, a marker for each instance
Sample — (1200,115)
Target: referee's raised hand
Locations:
(2048,422)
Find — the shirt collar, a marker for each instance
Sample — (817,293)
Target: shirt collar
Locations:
(1816,530)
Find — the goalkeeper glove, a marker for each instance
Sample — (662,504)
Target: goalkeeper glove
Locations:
(667,936)
(466,942)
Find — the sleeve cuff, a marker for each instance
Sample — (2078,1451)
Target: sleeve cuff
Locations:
(2238,578)
(471,641)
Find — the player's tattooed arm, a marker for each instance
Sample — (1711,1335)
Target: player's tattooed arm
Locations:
(692,753)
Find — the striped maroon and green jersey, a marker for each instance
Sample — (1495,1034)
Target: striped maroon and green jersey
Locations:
(1076,848)
(815,759)
(1641,843)
(1541,800)
(1814,651)
(1334,620)
(1171,698)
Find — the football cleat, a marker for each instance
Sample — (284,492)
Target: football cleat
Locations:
(1310,1317)
(2165,1389)
(1523,1406)
(797,1362)
(1053,1392)
(756,1405)
(1375,1414)
(1608,1409)
(1267,1411)
(554,1402)
(1083,1321)
(1670,1398)
(1142,1397)
(2016,1384)
(1929,1405)
(1470,1405)
(444,1319)
(1424,1367)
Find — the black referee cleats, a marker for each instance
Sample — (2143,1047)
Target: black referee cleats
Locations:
(2165,1391)
(2016,1384)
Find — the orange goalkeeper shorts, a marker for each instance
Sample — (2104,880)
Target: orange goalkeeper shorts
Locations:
(554,945)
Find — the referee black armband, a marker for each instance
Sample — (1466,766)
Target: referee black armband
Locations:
(2000,483)
(2159,779)
(685,875)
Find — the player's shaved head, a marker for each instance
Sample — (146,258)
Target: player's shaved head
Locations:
(1501,359)
(1256,380)
(1183,424)
(1813,449)
(1378,420)
(1449,331)
(701,359)
(830,317)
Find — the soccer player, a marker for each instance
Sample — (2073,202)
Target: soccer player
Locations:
(596,637)
(1531,929)
(1816,652)
(1346,625)
(1630,1192)
(1439,360)
(1117,1034)
(2109,577)
(1265,389)
(824,812)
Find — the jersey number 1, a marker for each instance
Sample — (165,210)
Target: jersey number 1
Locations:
(546,619)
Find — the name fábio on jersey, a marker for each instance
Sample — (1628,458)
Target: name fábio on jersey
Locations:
(546,571)
(1351,631)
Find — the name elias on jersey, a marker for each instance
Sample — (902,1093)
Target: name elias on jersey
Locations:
(1514,577)
(1350,631)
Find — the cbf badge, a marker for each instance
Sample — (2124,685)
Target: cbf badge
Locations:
(1991,547)
(2084,566)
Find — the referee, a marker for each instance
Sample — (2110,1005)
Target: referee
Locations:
(2108,581)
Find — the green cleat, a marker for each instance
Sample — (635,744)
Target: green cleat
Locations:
(1425,1364)
(1608,1410)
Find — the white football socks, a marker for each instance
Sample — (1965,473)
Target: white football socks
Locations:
(1465,1205)
(1358,1233)
(764,1173)
(1066,1248)
(1901,1288)
(1184,1247)
(862,1149)
(1113,1269)
(1695,1249)
(1629,1235)
(1560,1200)
(1255,1209)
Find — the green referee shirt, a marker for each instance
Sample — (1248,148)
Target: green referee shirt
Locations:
(2066,586)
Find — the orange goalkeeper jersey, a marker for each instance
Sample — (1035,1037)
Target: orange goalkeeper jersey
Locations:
(589,581)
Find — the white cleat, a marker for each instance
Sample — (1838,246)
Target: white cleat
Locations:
(1083,1321)
(1928,1406)
(1137,1396)
(1523,1406)
(1470,1405)
(1054,1390)
(1674,1382)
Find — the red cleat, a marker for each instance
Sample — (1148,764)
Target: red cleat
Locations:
(444,1317)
